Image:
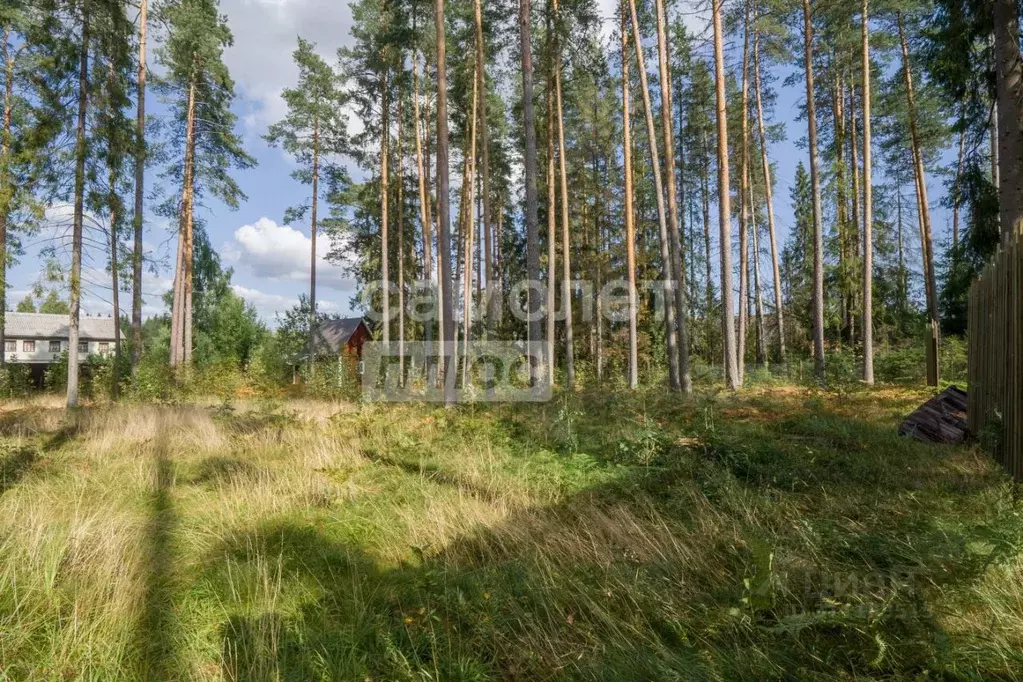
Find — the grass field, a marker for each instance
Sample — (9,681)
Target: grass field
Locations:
(782,534)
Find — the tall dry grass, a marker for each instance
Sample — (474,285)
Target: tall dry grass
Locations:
(599,537)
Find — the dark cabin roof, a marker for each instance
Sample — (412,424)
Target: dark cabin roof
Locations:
(48,326)
(941,419)
(334,334)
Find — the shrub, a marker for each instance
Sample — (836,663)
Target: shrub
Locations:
(15,381)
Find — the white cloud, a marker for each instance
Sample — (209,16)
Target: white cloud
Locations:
(265,35)
(281,253)
(269,305)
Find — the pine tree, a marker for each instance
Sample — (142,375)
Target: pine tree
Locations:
(29,125)
(202,136)
(732,376)
(818,230)
(140,173)
(315,134)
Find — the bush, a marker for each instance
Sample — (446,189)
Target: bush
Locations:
(331,380)
(15,381)
(153,381)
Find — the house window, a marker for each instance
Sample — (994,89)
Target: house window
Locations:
(54,346)
(28,346)
(104,347)
(83,346)
(10,346)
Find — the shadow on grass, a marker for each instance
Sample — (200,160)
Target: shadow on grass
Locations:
(434,473)
(757,571)
(155,629)
(21,461)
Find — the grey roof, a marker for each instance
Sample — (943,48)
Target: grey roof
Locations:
(46,326)
(333,335)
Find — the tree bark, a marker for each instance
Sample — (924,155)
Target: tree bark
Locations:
(530,164)
(1009,93)
(705,182)
(484,142)
(744,206)
(927,244)
(769,199)
(815,181)
(842,208)
(401,240)
(868,208)
(566,248)
(674,226)
(181,311)
(732,376)
(552,201)
(312,248)
(112,201)
(424,216)
(140,168)
(79,211)
(188,199)
(385,200)
(630,218)
(470,221)
(6,188)
(854,224)
(758,298)
(956,190)
(667,276)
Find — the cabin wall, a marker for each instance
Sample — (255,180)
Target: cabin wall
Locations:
(43,354)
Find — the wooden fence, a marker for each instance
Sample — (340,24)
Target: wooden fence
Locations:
(995,366)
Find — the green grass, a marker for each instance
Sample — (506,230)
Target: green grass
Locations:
(781,534)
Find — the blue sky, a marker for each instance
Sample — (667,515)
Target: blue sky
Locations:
(271,260)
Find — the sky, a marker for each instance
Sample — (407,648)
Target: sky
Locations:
(271,259)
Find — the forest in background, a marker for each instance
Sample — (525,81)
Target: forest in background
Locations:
(470,188)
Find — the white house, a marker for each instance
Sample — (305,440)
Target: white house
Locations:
(40,338)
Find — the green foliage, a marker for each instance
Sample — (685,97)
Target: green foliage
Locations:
(15,381)
(978,243)
(315,130)
(191,53)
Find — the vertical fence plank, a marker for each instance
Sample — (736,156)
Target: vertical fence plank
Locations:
(995,353)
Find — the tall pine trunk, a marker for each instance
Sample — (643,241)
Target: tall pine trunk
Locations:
(868,209)
(630,218)
(425,219)
(469,203)
(1009,93)
(566,248)
(385,200)
(492,303)
(674,226)
(926,240)
(400,168)
(181,313)
(854,224)
(769,200)
(744,205)
(552,201)
(815,182)
(667,276)
(6,190)
(530,164)
(79,211)
(312,247)
(140,168)
(113,170)
(732,376)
